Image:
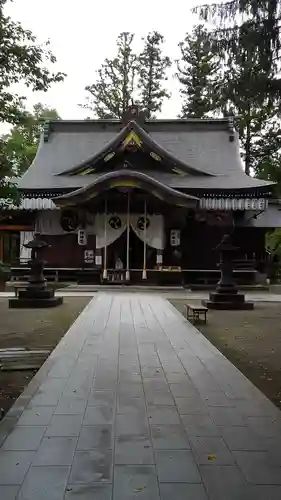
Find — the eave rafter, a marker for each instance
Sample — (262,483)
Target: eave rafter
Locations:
(126,179)
(133,138)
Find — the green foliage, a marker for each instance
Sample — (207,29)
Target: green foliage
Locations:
(129,77)
(21,144)
(152,68)
(112,92)
(266,154)
(22,61)
(247,33)
(251,26)
(198,73)
(273,241)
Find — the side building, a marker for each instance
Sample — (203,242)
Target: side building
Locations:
(139,200)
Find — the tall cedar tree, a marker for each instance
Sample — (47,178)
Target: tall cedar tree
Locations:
(114,88)
(251,24)
(20,145)
(242,94)
(22,60)
(198,73)
(152,72)
(249,42)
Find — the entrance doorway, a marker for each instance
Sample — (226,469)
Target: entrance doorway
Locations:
(118,250)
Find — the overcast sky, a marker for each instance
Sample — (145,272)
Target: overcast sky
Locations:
(83,33)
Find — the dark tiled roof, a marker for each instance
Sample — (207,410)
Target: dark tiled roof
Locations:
(202,145)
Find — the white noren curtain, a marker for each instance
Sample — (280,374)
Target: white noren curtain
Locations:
(154,229)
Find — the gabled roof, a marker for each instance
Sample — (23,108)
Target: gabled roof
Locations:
(133,136)
(207,150)
(129,179)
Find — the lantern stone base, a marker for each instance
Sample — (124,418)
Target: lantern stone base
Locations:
(228,302)
(34,298)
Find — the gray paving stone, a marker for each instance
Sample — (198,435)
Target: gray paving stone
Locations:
(199,425)
(55,451)
(160,398)
(133,389)
(163,415)
(182,491)
(183,390)
(8,492)
(24,438)
(44,483)
(135,482)
(95,437)
(93,466)
(266,427)
(89,492)
(101,398)
(131,424)
(70,406)
(211,450)
(192,405)
(64,425)
(127,404)
(169,437)
(37,416)
(14,465)
(266,492)
(257,467)
(98,415)
(162,368)
(133,450)
(176,466)
(226,483)
(226,416)
(218,398)
(243,439)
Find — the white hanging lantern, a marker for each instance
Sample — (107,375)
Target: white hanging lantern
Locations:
(82,237)
(175,237)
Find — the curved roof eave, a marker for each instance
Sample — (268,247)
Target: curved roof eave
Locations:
(147,139)
(129,179)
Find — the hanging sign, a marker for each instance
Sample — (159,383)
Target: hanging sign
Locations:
(82,237)
(175,237)
(89,256)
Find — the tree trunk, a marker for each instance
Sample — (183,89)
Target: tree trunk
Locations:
(248,149)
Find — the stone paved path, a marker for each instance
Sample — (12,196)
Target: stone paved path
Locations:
(135,403)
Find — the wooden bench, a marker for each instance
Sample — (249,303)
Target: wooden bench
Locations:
(194,311)
(16,285)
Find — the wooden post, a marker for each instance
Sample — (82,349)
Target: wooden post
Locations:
(105,242)
(144,273)
(128,240)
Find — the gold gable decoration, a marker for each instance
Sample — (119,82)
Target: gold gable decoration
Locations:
(132,142)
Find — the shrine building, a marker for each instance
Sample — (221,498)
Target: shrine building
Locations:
(138,201)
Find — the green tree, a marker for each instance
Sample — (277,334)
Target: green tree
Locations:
(267,154)
(21,144)
(242,94)
(253,26)
(152,72)
(22,60)
(114,88)
(198,73)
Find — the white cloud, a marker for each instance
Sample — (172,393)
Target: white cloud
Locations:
(83,33)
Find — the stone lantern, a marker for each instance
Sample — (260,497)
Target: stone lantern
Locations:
(37,294)
(226,295)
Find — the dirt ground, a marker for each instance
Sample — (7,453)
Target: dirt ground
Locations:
(251,340)
(32,329)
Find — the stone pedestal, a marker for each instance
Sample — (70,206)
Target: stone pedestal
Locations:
(226,296)
(36,295)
